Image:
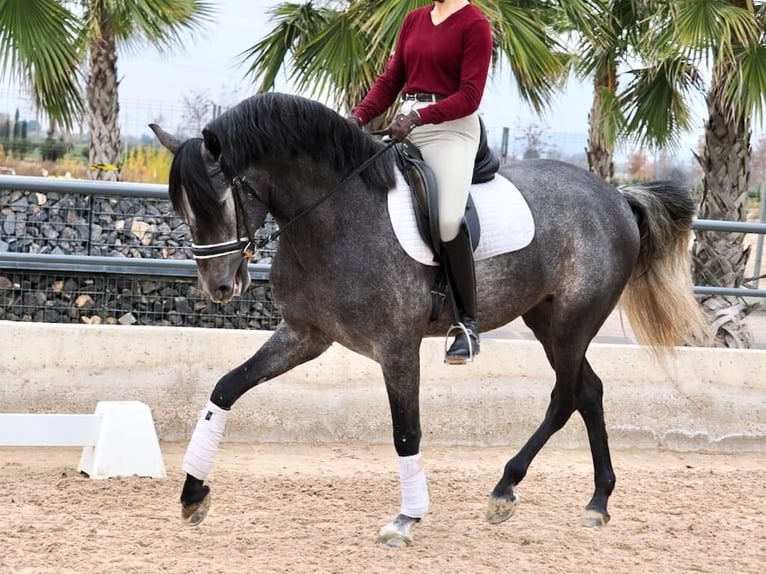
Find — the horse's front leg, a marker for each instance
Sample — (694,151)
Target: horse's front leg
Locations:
(288,347)
(401,370)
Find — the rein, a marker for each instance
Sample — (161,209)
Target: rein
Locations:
(247,244)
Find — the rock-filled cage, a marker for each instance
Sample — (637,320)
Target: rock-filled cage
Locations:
(92,227)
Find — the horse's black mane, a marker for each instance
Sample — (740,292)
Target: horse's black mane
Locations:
(267,126)
(281,125)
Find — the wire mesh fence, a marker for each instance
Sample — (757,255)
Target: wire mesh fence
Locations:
(46,222)
(128,300)
(92,224)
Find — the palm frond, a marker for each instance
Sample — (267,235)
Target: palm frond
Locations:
(294,24)
(708,28)
(657,102)
(135,23)
(745,85)
(538,60)
(382,20)
(333,62)
(37,49)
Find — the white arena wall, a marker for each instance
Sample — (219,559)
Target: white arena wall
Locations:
(701,399)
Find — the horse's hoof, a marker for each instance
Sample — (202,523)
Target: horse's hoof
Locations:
(398,532)
(195,513)
(501,508)
(592,518)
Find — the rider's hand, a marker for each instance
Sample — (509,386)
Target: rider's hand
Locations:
(403,125)
(354,120)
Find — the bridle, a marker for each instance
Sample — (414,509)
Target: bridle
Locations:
(244,245)
(242,191)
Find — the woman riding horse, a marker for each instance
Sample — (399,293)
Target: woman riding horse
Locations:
(340,275)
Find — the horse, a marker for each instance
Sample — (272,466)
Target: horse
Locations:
(339,275)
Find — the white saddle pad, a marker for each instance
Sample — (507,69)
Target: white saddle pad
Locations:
(506,222)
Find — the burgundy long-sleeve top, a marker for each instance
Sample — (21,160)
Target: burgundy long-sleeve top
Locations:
(450,59)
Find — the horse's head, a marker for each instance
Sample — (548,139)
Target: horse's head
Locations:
(219,216)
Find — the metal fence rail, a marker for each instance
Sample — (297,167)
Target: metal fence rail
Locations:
(735,227)
(84,187)
(113,265)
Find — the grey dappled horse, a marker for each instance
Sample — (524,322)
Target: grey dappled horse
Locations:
(339,274)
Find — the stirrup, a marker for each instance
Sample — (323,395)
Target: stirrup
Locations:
(459,360)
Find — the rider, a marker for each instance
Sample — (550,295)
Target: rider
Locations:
(441,63)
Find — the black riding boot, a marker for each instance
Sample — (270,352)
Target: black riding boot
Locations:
(462,280)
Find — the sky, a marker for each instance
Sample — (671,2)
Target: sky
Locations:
(153,86)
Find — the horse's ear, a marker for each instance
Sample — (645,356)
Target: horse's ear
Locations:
(170,141)
(212,144)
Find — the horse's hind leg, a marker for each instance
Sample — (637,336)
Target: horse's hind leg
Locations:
(286,348)
(565,343)
(591,409)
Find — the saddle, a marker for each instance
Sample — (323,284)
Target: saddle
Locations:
(422,182)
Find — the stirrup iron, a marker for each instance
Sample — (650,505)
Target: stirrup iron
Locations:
(460,328)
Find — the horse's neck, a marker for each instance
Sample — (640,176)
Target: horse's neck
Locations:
(319,217)
(323,209)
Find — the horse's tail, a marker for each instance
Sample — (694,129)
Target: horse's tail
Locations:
(659,297)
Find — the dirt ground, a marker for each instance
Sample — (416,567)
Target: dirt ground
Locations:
(303,508)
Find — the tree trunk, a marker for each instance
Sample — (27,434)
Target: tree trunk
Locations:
(720,258)
(600,149)
(103,108)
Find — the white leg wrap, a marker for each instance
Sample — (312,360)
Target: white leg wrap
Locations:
(204,441)
(414,488)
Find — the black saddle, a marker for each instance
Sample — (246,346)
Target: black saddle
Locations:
(422,182)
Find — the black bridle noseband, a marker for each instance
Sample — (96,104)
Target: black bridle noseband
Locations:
(246,244)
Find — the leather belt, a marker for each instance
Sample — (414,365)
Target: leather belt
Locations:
(422,97)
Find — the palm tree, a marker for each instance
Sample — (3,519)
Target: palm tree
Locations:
(337,52)
(730,36)
(107,24)
(665,44)
(642,82)
(48,55)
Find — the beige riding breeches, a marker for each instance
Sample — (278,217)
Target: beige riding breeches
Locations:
(449,148)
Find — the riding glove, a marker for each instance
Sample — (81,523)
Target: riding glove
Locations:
(403,125)
(354,120)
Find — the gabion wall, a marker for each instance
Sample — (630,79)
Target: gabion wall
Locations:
(76,224)
(116,299)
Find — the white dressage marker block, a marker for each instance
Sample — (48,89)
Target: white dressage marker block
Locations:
(126,445)
(118,440)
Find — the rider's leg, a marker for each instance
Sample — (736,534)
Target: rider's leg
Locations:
(449,148)
(462,279)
